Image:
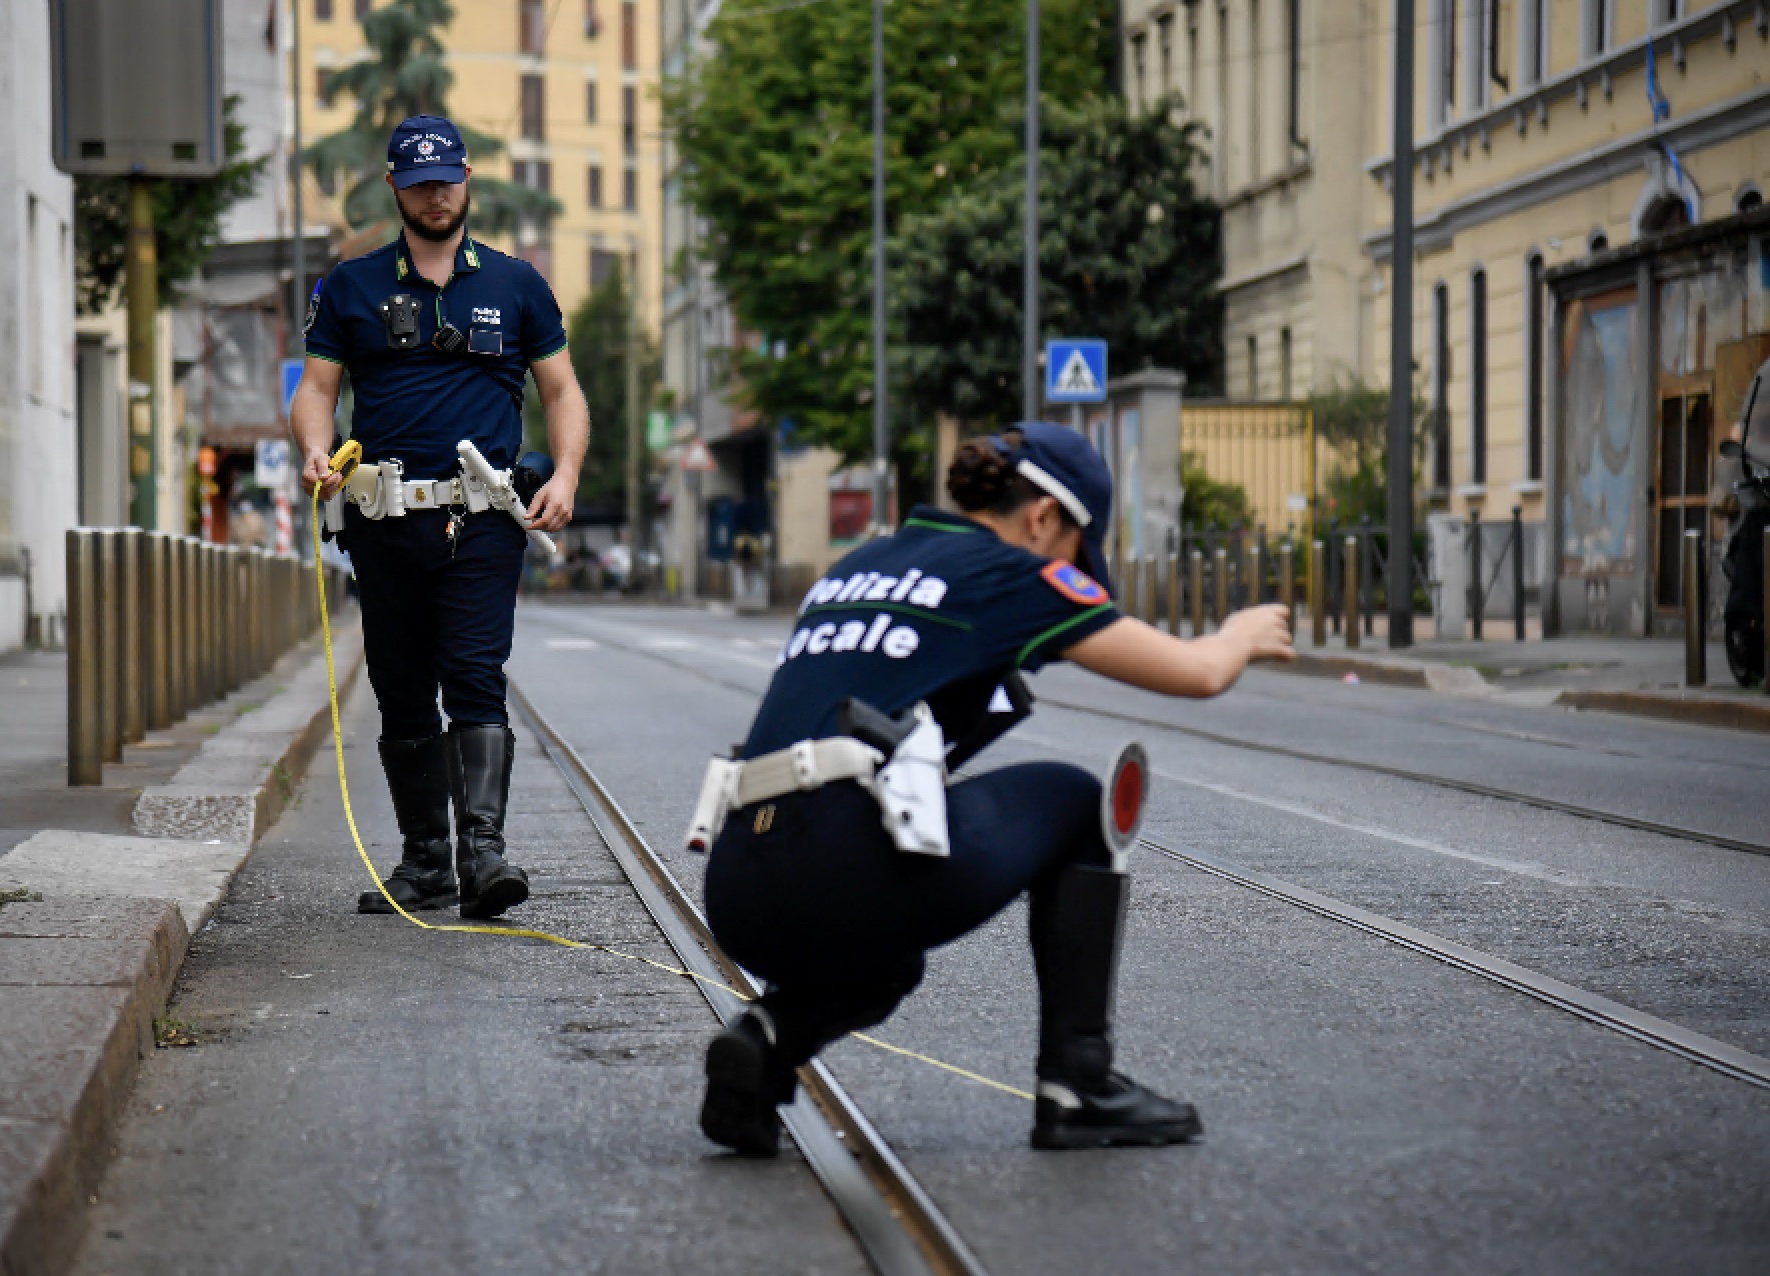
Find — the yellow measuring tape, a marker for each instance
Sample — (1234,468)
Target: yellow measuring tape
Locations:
(343,462)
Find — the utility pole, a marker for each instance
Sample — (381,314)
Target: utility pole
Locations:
(1029,356)
(1401,340)
(297,342)
(635,426)
(881,420)
(141,280)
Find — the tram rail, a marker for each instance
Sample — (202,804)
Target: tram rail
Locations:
(898,1226)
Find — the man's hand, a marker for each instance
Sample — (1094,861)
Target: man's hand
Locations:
(1265,629)
(552,506)
(318,469)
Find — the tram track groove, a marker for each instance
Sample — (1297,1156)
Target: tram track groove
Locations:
(898,1226)
(1597,814)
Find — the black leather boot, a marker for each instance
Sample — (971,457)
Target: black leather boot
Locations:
(480,761)
(747,1081)
(418,778)
(1078,919)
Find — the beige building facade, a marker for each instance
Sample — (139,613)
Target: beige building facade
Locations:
(570,89)
(1537,148)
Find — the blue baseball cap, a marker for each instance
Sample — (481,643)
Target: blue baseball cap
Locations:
(1062,463)
(426,148)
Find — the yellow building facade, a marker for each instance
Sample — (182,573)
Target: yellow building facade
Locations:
(1537,148)
(570,89)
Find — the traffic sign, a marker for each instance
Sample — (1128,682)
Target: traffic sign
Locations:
(1075,370)
(290,371)
(270,469)
(657,431)
(697,456)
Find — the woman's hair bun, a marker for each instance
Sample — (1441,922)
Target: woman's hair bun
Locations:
(979,476)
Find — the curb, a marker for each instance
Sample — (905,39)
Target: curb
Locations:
(1675,706)
(1455,680)
(90,955)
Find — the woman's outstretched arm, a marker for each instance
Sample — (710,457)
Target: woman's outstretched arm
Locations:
(1135,653)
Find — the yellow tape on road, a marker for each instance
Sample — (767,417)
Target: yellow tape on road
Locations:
(345,460)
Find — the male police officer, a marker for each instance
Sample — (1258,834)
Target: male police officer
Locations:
(437,332)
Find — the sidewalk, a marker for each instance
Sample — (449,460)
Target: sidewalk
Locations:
(1641,676)
(101,889)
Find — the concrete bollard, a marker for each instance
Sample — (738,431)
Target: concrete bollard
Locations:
(132,646)
(1318,593)
(1696,629)
(85,720)
(1351,551)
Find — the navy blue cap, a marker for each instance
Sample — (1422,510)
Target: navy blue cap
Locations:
(426,148)
(1062,463)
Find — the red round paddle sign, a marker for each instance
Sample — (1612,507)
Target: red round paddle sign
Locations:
(1127,797)
(1121,800)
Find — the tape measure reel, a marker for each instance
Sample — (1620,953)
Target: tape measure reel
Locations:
(1122,799)
(347,458)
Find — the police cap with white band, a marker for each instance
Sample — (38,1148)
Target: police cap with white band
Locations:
(426,148)
(1062,463)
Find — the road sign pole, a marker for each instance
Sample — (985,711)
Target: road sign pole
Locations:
(881,444)
(1401,334)
(1029,371)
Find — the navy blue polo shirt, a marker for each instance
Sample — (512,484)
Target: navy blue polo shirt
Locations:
(942,604)
(416,405)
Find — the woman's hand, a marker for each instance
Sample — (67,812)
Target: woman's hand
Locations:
(1265,629)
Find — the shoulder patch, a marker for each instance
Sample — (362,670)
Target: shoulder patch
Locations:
(1074,583)
(313,307)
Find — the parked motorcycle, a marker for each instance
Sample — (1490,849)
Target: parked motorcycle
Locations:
(1743,557)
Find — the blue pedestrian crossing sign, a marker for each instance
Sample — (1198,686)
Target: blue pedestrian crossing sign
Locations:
(1075,370)
(289,374)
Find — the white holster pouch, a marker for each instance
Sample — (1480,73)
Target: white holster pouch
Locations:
(381,490)
(911,789)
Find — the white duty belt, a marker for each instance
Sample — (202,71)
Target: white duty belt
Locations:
(910,786)
(381,490)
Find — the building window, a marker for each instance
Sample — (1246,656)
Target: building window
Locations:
(630,188)
(1480,33)
(537,175)
(1220,125)
(1478,377)
(1191,89)
(1533,367)
(1667,11)
(629,35)
(1533,43)
(603,266)
(362,8)
(1441,388)
(531,22)
(592,23)
(534,108)
(322,10)
(596,186)
(1595,17)
(1284,365)
(1139,98)
(1294,77)
(323,89)
(1253,368)
(1255,90)
(630,119)
(1165,46)
(590,101)
(1447,60)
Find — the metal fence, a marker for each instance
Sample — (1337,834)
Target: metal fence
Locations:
(159,625)
(1266,449)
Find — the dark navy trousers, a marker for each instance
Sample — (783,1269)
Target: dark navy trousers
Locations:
(820,903)
(433,621)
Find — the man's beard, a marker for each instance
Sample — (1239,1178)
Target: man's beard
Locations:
(415,223)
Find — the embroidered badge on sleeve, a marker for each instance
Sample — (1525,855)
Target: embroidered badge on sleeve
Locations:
(1073,583)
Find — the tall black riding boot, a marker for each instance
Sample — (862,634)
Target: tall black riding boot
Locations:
(418,778)
(480,761)
(1078,918)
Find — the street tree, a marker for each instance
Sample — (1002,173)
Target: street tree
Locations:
(187,221)
(1129,250)
(1351,419)
(407,74)
(775,131)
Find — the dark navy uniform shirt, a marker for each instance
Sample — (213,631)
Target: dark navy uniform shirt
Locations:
(943,606)
(416,405)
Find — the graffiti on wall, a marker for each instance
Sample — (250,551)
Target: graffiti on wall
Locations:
(1601,488)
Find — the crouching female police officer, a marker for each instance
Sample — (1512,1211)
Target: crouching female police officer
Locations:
(807,888)
(438,332)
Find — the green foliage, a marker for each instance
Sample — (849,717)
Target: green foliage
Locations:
(408,75)
(1128,251)
(598,331)
(187,221)
(1208,502)
(776,135)
(1352,423)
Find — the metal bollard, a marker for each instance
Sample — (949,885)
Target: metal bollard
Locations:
(1518,572)
(1367,576)
(234,616)
(156,622)
(1287,582)
(1151,604)
(1318,593)
(110,647)
(85,721)
(132,666)
(1477,591)
(191,608)
(1256,574)
(1174,593)
(1351,551)
(1220,587)
(211,615)
(1197,565)
(1696,630)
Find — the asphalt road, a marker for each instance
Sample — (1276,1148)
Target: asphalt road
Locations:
(370,1097)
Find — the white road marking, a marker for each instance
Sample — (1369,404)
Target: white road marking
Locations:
(572,644)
